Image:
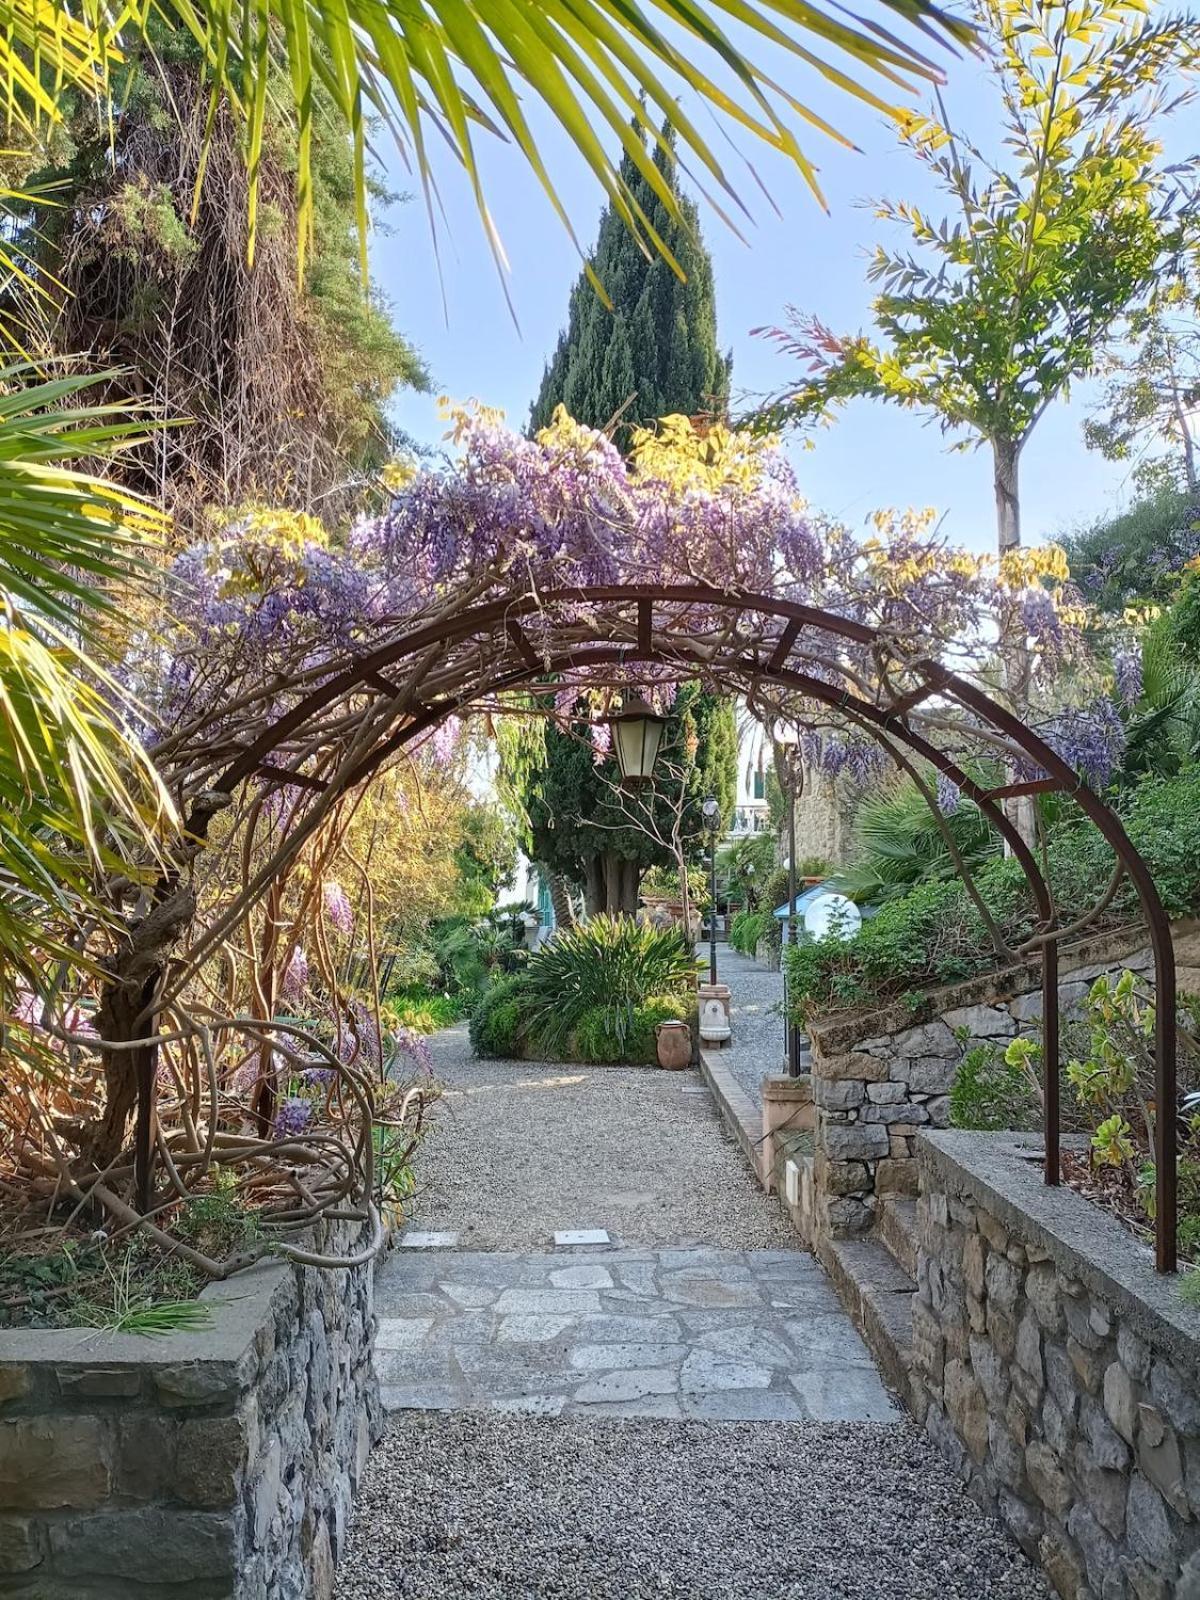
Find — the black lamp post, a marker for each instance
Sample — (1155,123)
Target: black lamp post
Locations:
(794,1038)
(711,813)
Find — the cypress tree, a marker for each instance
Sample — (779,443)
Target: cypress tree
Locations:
(655,352)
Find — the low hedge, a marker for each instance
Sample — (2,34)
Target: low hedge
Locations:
(613,1033)
(500,1018)
(935,935)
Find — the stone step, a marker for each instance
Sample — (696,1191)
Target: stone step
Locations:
(897,1229)
(878,1294)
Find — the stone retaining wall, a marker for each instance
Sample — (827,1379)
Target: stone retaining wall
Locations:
(1058,1371)
(880,1077)
(195,1466)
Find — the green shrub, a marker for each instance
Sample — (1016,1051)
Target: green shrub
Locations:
(935,935)
(643,1043)
(626,1033)
(471,953)
(993,1094)
(423,1013)
(408,968)
(608,962)
(603,1034)
(747,928)
(500,1020)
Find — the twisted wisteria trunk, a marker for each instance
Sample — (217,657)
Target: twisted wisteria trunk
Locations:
(133,977)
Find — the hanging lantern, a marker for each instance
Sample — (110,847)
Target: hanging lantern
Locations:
(637,734)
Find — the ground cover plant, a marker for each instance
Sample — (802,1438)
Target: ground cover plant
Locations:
(1107,1095)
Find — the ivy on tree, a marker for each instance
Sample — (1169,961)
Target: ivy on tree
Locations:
(578,827)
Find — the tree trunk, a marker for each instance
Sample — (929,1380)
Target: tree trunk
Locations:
(560,899)
(595,894)
(1005,459)
(132,978)
(630,881)
(612,882)
(1021,812)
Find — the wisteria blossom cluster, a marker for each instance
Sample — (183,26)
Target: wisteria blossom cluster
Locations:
(273,594)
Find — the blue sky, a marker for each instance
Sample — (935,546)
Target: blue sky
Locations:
(872,456)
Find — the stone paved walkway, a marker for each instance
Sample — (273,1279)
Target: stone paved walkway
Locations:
(653,1419)
(752,1335)
(756,1017)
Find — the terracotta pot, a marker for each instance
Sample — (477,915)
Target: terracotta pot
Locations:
(674,1044)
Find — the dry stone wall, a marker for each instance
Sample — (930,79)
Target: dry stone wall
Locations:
(199,1466)
(1058,1372)
(879,1078)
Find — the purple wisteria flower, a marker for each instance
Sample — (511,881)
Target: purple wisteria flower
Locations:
(1127,668)
(292,1117)
(337,906)
(405,1041)
(949,795)
(1089,738)
(295,976)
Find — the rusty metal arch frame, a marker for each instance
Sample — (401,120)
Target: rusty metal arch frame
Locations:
(624,642)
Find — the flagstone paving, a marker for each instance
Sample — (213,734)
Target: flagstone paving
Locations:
(655,1417)
(737,1334)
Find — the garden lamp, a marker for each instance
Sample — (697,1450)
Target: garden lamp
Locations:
(711,812)
(637,734)
(787,735)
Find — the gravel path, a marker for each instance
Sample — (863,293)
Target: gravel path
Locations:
(501,1504)
(521,1148)
(755,1002)
(501,1507)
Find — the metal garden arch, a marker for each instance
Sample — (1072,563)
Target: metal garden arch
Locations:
(357,713)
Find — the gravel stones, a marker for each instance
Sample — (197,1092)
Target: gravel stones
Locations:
(522,1149)
(756,1016)
(478,1505)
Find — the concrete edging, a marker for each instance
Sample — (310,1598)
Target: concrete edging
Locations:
(738,1111)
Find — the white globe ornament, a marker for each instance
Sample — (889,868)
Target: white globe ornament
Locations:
(832,916)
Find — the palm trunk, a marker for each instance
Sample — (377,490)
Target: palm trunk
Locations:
(560,899)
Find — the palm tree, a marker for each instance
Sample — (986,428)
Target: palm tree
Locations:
(440,72)
(76,790)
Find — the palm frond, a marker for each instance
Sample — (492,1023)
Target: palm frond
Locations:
(897,842)
(608,71)
(77,792)
(609,962)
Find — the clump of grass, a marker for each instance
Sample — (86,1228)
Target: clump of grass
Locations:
(128,1284)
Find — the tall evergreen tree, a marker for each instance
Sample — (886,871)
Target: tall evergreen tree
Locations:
(655,351)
